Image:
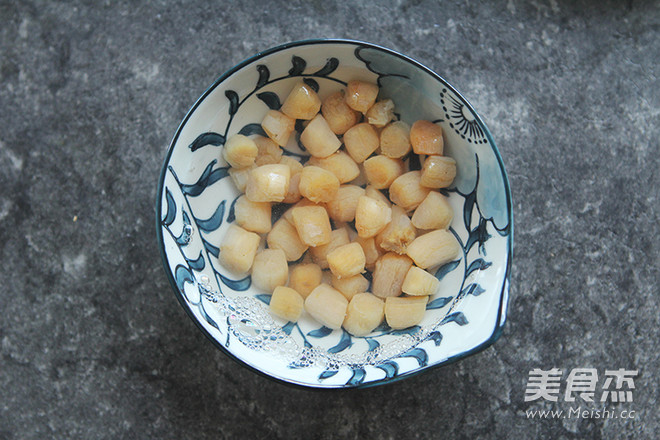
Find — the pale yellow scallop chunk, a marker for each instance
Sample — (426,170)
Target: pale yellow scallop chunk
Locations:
(434,212)
(268,183)
(317,184)
(286,303)
(238,249)
(270,269)
(313,224)
(433,248)
(338,114)
(364,313)
(419,282)
(404,312)
(240,151)
(278,126)
(302,102)
(304,278)
(327,305)
(319,139)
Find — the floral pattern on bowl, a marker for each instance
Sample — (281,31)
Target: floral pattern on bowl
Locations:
(196,203)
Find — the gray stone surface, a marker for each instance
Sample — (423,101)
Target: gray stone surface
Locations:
(93,343)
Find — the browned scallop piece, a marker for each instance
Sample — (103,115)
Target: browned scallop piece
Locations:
(302,102)
(382,170)
(407,191)
(426,138)
(438,172)
(391,270)
(278,126)
(361,95)
(342,207)
(338,114)
(361,140)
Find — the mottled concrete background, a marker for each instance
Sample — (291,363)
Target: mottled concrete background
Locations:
(93,343)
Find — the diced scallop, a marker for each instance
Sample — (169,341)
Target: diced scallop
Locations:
(268,183)
(350,286)
(317,184)
(342,208)
(361,141)
(404,312)
(278,126)
(284,235)
(371,216)
(327,305)
(313,224)
(286,303)
(381,170)
(434,212)
(270,269)
(319,139)
(304,278)
(391,270)
(361,95)
(438,172)
(426,138)
(419,282)
(338,114)
(302,102)
(346,260)
(240,151)
(407,191)
(253,216)
(340,164)
(433,248)
(395,140)
(364,313)
(238,249)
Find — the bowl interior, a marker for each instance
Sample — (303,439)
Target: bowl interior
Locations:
(196,201)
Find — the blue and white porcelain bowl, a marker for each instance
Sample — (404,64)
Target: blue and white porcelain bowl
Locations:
(195,206)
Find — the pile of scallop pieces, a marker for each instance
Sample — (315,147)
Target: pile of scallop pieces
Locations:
(360,230)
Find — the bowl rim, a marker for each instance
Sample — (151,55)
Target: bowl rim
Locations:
(501,318)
